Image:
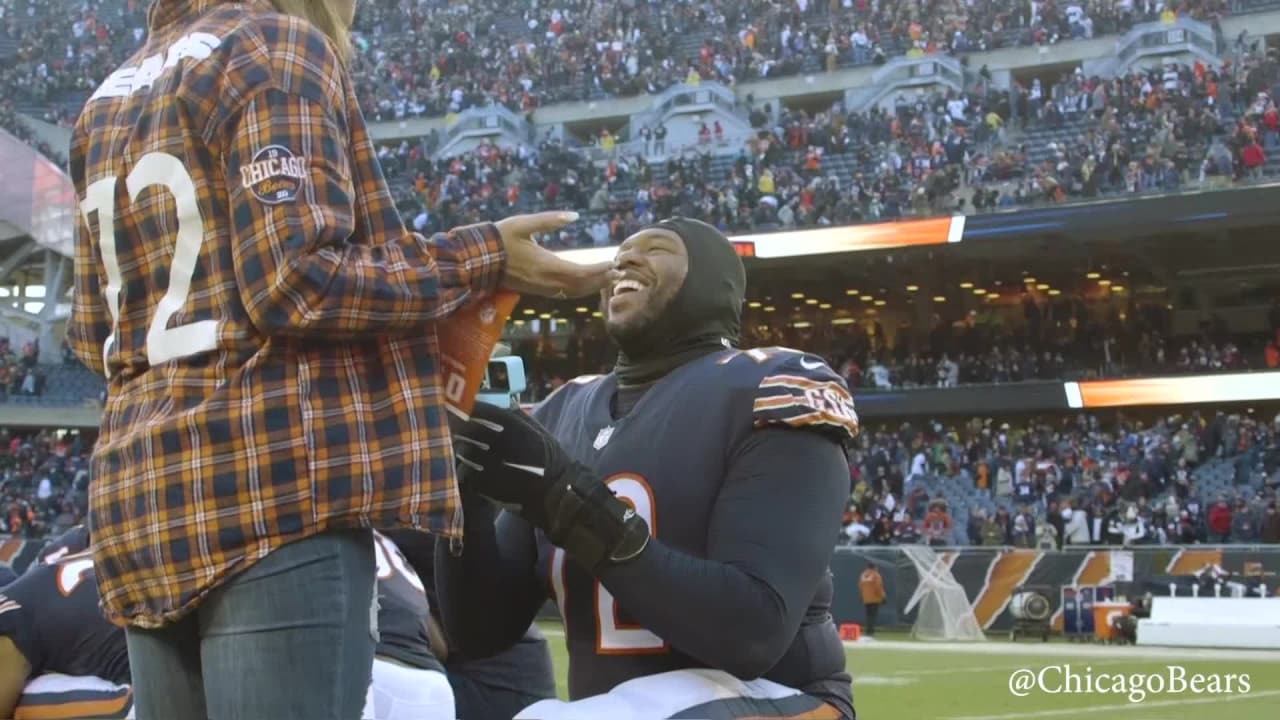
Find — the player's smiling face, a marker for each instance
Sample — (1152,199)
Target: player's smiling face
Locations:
(652,266)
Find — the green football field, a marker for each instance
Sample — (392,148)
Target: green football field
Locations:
(897,679)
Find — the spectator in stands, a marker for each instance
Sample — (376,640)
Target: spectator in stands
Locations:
(1076,529)
(1270,524)
(1046,535)
(1220,521)
(1244,528)
(937,523)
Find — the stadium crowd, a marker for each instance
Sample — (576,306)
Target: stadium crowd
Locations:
(430,58)
(1068,480)
(940,152)
(43,482)
(1044,338)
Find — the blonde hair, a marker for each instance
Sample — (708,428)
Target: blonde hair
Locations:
(325,16)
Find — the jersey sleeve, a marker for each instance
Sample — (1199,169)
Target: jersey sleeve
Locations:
(800,391)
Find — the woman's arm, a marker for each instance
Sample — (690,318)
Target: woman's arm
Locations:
(297,270)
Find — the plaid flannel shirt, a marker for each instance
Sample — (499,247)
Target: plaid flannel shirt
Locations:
(244,280)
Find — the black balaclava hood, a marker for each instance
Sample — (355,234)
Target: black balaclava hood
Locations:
(704,316)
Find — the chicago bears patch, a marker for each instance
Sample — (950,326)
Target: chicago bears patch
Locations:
(275,175)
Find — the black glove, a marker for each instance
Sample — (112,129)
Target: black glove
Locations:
(508,457)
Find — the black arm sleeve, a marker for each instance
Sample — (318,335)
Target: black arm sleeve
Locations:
(490,594)
(770,540)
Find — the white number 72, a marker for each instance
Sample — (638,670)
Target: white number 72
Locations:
(163,343)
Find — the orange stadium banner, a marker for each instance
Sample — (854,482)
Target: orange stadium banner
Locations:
(467,340)
(823,241)
(1184,390)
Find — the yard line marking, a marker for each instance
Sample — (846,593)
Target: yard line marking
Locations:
(1078,711)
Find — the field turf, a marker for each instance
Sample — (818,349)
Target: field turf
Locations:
(897,679)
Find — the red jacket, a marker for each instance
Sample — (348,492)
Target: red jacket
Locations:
(1252,155)
(1220,519)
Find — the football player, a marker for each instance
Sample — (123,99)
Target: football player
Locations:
(681,510)
(58,657)
(497,686)
(409,682)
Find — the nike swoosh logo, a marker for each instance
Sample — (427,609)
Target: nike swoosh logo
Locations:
(808,365)
(527,468)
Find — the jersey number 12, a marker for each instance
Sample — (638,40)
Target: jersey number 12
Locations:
(163,343)
(614,637)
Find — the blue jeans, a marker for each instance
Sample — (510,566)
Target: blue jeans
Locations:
(290,638)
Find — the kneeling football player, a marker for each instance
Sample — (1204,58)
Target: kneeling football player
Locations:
(409,682)
(680,510)
(59,658)
(484,688)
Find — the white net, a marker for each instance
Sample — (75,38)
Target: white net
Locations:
(942,609)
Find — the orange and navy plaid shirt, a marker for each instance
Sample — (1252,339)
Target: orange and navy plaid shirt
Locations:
(265,321)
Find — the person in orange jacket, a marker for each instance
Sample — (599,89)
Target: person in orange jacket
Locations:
(871,586)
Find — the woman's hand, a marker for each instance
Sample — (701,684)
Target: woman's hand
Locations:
(535,270)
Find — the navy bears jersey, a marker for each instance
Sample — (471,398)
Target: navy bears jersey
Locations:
(402,609)
(51,614)
(669,457)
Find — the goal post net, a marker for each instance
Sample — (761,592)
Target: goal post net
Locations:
(943,612)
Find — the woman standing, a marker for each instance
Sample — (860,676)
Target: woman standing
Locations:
(266,326)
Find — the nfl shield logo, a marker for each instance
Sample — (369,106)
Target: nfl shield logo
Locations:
(602,438)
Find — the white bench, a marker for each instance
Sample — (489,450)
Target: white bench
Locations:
(1212,622)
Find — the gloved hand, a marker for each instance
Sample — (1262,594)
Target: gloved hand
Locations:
(508,457)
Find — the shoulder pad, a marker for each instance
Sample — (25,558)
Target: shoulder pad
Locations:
(561,394)
(799,390)
(72,541)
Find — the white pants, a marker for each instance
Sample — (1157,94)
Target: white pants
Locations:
(66,696)
(710,693)
(400,692)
